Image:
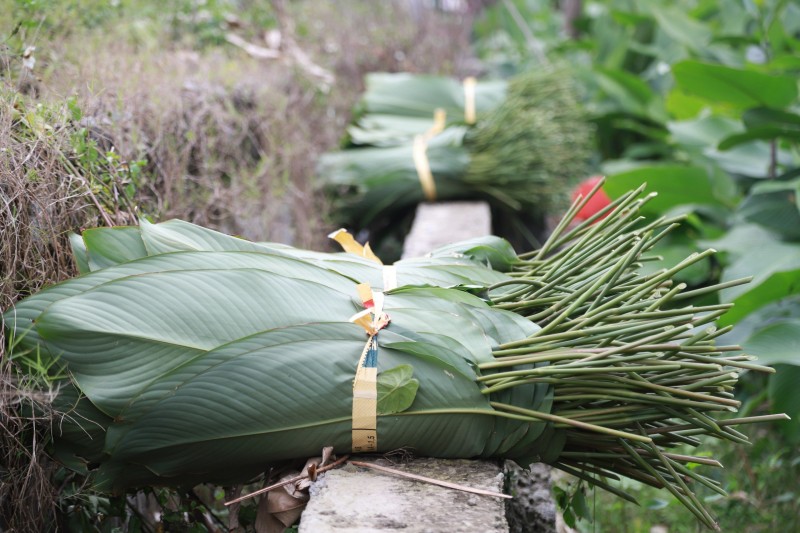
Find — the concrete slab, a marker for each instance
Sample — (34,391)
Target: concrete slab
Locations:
(439,224)
(358,500)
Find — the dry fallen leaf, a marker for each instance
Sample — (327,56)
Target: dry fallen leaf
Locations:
(282,507)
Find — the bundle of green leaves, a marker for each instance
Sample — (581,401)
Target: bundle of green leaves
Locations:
(190,356)
(529,144)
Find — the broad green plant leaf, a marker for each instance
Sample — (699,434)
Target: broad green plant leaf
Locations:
(492,251)
(773,264)
(684,106)
(112,246)
(682,28)
(675,185)
(188,417)
(770,285)
(178,235)
(764,117)
(764,123)
(778,311)
(778,342)
(26,311)
(738,87)
(397,389)
(631,94)
(785,397)
(79,253)
(701,137)
(774,205)
(759,134)
(149,324)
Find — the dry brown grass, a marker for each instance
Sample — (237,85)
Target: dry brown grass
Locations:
(40,202)
(28,493)
(232,142)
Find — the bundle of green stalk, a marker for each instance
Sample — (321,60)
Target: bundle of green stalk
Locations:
(190,356)
(522,156)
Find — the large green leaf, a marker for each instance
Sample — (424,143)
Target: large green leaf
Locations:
(148,324)
(177,235)
(377,129)
(675,185)
(759,134)
(630,93)
(763,116)
(288,402)
(79,253)
(785,397)
(770,285)
(26,311)
(497,325)
(681,27)
(702,136)
(474,343)
(187,356)
(774,205)
(490,250)
(738,87)
(778,342)
(118,245)
(446,272)
(780,310)
(773,264)
(111,246)
(764,123)
(703,131)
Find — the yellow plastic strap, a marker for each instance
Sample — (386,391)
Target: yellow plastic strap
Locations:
(365,405)
(423,166)
(420,154)
(364,431)
(350,245)
(365,293)
(469,100)
(364,319)
(439,122)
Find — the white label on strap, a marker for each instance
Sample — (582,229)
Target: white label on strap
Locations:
(389,277)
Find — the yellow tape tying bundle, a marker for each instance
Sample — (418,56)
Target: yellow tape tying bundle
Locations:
(469,100)
(350,245)
(364,430)
(420,154)
(364,426)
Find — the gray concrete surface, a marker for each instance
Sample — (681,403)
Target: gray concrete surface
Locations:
(357,500)
(438,224)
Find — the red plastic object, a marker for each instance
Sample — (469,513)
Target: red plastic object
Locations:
(595,203)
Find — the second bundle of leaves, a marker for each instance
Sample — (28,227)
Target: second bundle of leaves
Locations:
(521,155)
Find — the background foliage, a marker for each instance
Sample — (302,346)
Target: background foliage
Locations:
(700,100)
